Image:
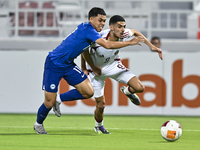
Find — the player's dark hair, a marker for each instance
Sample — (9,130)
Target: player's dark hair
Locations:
(95,11)
(155,38)
(114,19)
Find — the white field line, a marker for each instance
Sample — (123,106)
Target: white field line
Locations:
(87,128)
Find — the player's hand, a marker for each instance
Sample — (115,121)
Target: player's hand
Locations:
(160,54)
(85,71)
(136,40)
(96,71)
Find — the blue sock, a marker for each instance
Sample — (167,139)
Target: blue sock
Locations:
(71,95)
(42,113)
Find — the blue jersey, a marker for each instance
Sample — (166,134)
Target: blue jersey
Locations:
(74,44)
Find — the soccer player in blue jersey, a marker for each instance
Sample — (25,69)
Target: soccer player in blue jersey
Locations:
(60,64)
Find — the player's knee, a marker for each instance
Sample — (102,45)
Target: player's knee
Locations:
(50,99)
(49,102)
(141,89)
(89,94)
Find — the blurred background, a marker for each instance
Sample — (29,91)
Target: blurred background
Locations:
(170,20)
(30,29)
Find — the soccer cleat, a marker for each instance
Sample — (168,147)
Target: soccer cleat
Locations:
(56,109)
(133,97)
(39,129)
(100,130)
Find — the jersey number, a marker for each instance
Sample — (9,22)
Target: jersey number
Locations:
(76,68)
(121,66)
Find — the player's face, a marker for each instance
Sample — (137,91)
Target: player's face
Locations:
(156,43)
(98,22)
(118,29)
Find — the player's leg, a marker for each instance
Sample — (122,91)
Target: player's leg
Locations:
(51,80)
(43,111)
(79,80)
(134,86)
(99,110)
(85,89)
(98,84)
(121,74)
(98,115)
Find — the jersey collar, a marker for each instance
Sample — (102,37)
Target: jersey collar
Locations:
(107,36)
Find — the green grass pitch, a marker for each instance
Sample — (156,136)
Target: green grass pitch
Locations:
(75,132)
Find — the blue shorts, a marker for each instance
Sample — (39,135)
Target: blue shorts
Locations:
(53,74)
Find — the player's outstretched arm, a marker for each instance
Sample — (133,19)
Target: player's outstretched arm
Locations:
(147,42)
(85,56)
(116,44)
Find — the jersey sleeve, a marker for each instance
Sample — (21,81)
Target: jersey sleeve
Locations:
(92,34)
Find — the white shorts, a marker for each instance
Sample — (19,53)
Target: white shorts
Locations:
(116,71)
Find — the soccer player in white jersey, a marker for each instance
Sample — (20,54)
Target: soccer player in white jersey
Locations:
(111,67)
(109,61)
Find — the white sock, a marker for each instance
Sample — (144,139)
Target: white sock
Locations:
(58,98)
(98,124)
(38,124)
(126,91)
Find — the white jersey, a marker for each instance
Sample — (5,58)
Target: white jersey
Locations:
(109,61)
(103,57)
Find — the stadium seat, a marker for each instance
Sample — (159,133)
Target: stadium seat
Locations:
(25,20)
(67,11)
(48,21)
